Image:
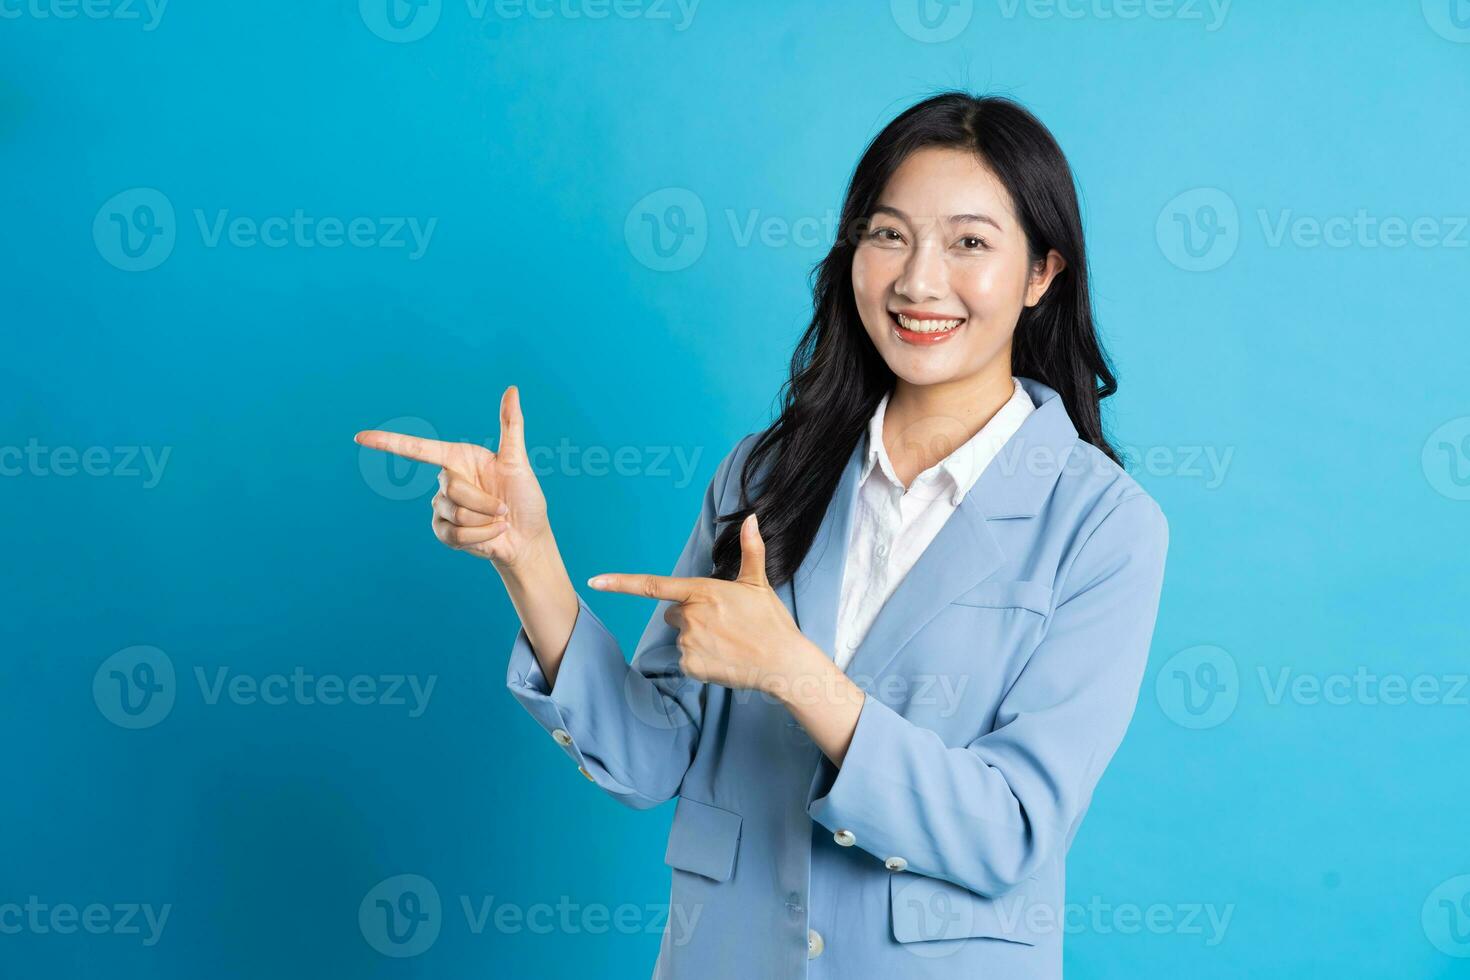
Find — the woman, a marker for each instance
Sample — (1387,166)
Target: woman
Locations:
(908,630)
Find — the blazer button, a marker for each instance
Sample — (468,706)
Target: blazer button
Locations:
(845,838)
(583,771)
(895,864)
(814,944)
(561,736)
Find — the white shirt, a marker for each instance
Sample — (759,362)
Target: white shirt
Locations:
(892,525)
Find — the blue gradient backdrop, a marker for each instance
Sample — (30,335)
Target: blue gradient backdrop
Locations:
(618,213)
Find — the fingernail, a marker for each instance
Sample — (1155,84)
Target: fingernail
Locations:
(502,509)
(597,581)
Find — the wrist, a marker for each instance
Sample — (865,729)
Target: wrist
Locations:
(533,562)
(806,678)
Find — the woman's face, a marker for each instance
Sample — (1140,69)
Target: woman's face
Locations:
(941,273)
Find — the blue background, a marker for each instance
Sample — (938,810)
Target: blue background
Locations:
(1331,378)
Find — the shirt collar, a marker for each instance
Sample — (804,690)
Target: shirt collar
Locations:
(960,469)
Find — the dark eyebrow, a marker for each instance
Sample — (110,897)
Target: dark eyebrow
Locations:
(954,219)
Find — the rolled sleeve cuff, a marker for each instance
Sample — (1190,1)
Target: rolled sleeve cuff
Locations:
(849,798)
(591,671)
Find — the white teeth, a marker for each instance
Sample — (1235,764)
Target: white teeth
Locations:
(926,326)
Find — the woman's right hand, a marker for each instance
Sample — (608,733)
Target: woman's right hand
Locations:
(489,503)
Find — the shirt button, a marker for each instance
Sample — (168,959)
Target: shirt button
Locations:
(881,551)
(814,944)
(845,838)
(561,736)
(895,864)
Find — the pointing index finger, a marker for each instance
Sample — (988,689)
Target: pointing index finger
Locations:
(409,447)
(648,586)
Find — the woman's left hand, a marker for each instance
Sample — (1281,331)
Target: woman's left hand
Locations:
(737,634)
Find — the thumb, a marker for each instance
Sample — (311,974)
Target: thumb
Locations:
(752,554)
(512,426)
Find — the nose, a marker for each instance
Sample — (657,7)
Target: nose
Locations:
(925,276)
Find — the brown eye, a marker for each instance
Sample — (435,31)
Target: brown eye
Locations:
(978,243)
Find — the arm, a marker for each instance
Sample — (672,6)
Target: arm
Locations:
(989,814)
(632,727)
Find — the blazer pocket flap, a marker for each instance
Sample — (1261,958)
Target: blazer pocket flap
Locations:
(925,909)
(703,839)
(1025,595)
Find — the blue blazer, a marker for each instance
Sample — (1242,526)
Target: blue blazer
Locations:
(999,679)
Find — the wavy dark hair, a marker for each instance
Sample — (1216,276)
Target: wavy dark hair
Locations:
(837,376)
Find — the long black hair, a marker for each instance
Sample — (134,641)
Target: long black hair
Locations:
(838,377)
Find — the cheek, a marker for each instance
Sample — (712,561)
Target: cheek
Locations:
(862,276)
(991,289)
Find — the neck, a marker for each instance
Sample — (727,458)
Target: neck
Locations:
(922,424)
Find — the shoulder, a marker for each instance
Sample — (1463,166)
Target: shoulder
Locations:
(1093,490)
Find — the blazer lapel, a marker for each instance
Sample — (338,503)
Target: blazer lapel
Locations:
(963,553)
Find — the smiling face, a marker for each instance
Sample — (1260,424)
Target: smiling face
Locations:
(942,272)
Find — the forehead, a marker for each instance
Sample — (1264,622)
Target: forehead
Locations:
(941,181)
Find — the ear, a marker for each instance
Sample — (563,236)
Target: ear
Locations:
(1042,273)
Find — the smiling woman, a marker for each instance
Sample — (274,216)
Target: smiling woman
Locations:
(935,510)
